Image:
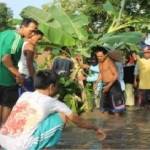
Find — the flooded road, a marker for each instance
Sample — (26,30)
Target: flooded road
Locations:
(130,131)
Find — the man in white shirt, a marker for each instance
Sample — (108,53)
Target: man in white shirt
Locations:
(37,119)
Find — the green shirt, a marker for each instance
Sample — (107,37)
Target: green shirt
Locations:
(10,44)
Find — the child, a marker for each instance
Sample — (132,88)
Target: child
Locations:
(37,119)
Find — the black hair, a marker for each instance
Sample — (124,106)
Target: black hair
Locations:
(27,21)
(98,48)
(65,49)
(93,59)
(44,78)
(48,48)
(38,32)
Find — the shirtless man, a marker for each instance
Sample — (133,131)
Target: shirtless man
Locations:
(112,99)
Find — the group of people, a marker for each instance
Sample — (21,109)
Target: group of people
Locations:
(118,82)
(123,83)
(31,118)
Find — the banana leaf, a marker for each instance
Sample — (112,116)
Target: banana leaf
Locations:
(111,10)
(58,27)
(71,24)
(118,39)
(72,102)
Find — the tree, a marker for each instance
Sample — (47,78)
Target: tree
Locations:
(6,15)
(102,12)
(109,19)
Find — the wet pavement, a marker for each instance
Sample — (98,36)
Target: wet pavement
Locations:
(130,131)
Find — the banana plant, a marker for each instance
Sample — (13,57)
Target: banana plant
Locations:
(115,40)
(73,102)
(119,18)
(58,27)
(116,35)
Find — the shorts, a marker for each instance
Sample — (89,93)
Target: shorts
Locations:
(8,95)
(48,132)
(27,86)
(143,97)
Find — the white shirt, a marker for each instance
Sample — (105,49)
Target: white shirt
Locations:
(30,109)
(22,64)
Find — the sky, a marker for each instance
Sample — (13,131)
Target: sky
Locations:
(17,5)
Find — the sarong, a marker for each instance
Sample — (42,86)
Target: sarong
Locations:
(48,133)
(27,86)
(114,100)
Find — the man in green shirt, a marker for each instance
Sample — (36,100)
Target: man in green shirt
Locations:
(11,42)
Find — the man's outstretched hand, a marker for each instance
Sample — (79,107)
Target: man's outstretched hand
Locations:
(100,135)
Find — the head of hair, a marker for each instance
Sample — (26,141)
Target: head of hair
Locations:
(47,49)
(98,48)
(38,32)
(27,21)
(44,78)
(65,50)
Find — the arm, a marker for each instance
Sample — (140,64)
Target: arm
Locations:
(29,59)
(7,61)
(113,70)
(136,76)
(82,123)
(28,51)
(99,78)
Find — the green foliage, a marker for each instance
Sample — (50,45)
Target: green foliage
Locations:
(69,92)
(5,16)
(88,104)
(15,22)
(111,10)
(68,85)
(58,27)
(115,40)
(72,102)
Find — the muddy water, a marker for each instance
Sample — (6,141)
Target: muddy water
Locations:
(131,131)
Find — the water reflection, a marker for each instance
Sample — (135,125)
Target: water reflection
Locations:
(131,131)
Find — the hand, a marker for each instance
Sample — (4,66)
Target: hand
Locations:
(106,89)
(85,66)
(95,85)
(134,56)
(135,84)
(100,134)
(81,77)
(19,79)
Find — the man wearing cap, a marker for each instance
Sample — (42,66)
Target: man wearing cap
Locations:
(143,65)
